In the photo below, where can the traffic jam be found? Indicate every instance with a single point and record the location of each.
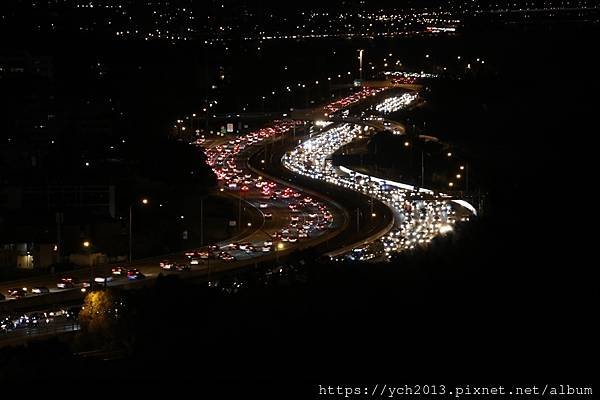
(420, 214)
(290, 216)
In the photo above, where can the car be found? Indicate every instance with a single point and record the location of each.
(17, 293)
(263, 205)
(37, 318)
(134, 274)
(66, 283)
(295, 218)
(268, 215)
(268, 243)
(266, 249)
(86, 284)
(293, 239)
(120, 270)
(204, 255)
(166, 265)
(182, 267)
(103, 279)
(40, 290)
(226, 256)
(73, 313)
(6, 324)
(244, 245)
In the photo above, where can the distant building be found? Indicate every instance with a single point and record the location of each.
(27, 255)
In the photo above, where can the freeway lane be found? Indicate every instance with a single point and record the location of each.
(420, 214)
(298, 219)
(357, 230)
(312, 220)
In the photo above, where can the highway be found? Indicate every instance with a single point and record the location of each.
(279, 219)
(290, 198)
(419, 214)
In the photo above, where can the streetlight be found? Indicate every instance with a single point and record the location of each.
(86, 245)
(360, 66)
(279, 247)
(144, 202)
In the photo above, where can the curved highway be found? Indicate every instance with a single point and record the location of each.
(419, 214)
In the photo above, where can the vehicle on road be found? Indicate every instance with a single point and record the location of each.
(179, 267)
(66, 283)
(103, 279)
(134, 274)
(17, 293)
(120, 271)
(40, 290)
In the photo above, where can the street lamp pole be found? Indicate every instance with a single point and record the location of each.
(360, 65)
(144, 201)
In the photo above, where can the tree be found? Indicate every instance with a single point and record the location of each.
(99, 316)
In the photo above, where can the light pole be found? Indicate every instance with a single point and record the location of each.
(279, 247)
(144, 202)
(86, 245)
(360, 64)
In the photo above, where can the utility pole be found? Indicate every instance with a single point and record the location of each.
(357, 220)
